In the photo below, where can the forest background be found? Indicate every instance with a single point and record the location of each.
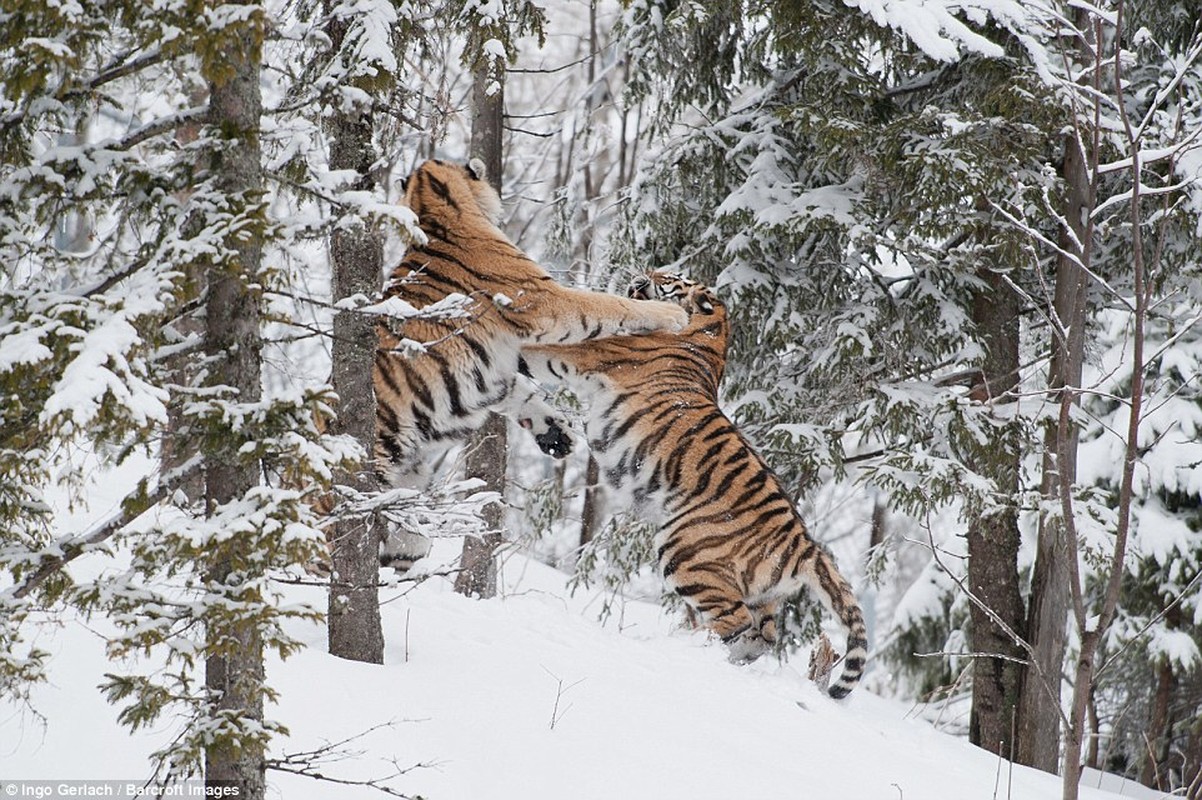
(960, 243)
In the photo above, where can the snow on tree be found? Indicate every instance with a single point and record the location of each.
(880, 189)
(145, 130)
(861, 183)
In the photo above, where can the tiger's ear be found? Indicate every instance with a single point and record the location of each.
(476, 169)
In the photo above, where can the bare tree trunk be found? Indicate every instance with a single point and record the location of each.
(590, 514)
(358, 254)
(625, 123)
(591, 187)
(1192, 758)
(878, 532)
(993, 539)
(1039, 703)
(488, 449)
(234, 670)
(1158, 727)
(1092, 755)
(486, 459)
(1094, 622)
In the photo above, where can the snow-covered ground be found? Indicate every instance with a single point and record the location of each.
(530, 696)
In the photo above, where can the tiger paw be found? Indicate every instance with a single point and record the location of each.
(555, 442)
(552, 437)
(659, 316)
(747, 648)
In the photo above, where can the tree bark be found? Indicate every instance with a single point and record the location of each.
(354, 629)
(487, 450)
(486, 460)
(234, 671)
(590, 514)
(1092, 752)
(993, 540)
(1039, 703)
(1101, 615)
(1192, 759)
(178, 444)
(1158, 727)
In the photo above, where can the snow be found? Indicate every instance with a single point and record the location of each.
(453, 305)
(529, 696)
(1176, 646)
(1123, 787)
(1160, 534)
(80, 392)
(924, 599)
(932, 26)
(494, 48)
(22, 347)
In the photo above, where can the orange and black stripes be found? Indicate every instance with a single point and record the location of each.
(731, 542)
(465, 366)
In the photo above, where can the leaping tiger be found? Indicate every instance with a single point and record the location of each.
(468, 364)
(730, 541)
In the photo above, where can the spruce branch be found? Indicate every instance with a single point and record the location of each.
(188, 116)
(120, 68)
(72, 547)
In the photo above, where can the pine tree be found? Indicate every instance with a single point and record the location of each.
(845, 204)
(488, 52)
(97, 337)
(234, 671)
(876, 202)
(357, 255)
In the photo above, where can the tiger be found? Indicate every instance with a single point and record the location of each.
(729, 540)
(465, 364)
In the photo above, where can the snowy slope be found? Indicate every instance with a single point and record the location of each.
(642, 709)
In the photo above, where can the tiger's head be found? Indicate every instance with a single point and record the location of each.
(693, 297)
(441, 190)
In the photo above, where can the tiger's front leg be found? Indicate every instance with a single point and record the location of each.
(550, 428)
(573, 315)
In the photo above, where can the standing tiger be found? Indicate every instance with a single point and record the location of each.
(730, 542)
(467, 364)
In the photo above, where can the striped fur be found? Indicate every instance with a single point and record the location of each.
(730, 540)
(469, 363)
(429, 399)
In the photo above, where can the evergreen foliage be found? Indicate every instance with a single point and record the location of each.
(854, 177)
(115, 206)
(845, 177)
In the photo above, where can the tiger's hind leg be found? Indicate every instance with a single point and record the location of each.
(760, 637)
(401, 548)
(725, 614)
(765, 618)
(747, 647)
